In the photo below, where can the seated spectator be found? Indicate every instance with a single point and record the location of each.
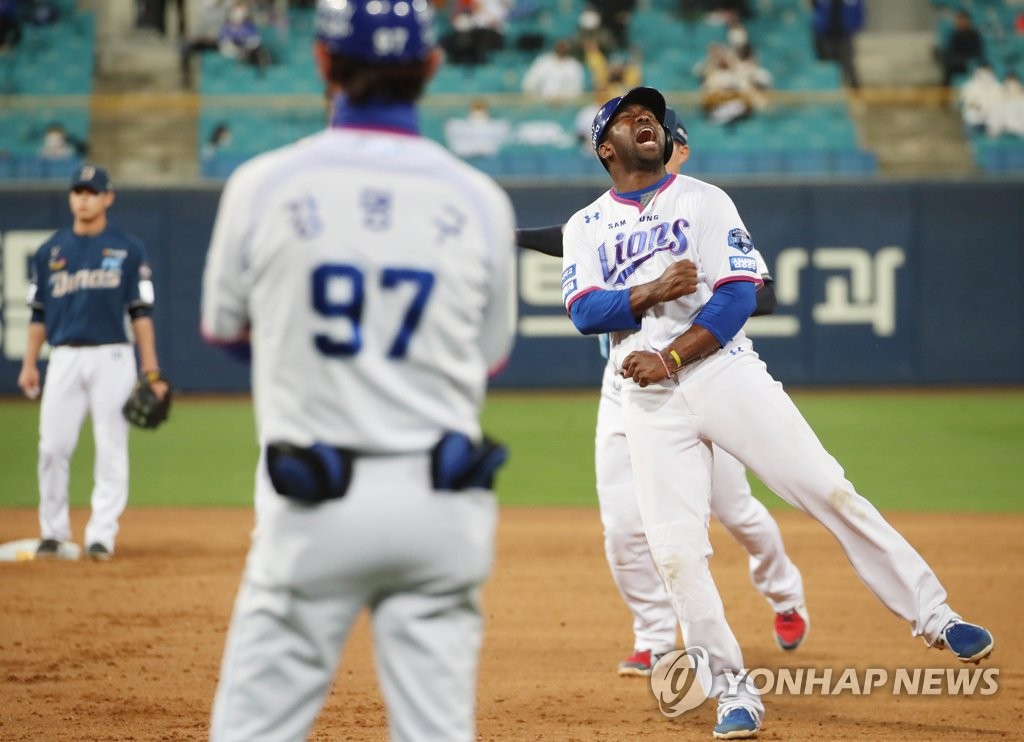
(733, 89)
(555, 75)
(1007, 115)
(615, 75)
(477, 135)
(963, 48)
(210, 18)
(10, 25)
(757, 79)
(615, 15)
(240, 38)
(978, 96)
(55, 144)
(220, 139)
(478, 28)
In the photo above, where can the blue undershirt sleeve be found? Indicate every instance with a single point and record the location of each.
(603, 311)
(728, 309)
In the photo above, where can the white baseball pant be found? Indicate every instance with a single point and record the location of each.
(95, 380)
(629, 557)
(415, 558)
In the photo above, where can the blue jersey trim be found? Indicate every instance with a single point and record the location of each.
(635, 195)
(727, 310)
(602, 311)
(396, 117)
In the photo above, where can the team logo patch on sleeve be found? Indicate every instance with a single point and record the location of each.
(740, 240)
(737, 263)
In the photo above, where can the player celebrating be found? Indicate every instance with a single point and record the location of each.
(732, 503)
(84, 279)
(692, 377)
(376, 271)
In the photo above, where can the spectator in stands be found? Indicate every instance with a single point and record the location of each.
(979, 95)
(240, 38)
(614, 75)
(835, 23)
(734, 88)
(555, 75)
(55, 144)
(478, 28)
(10, 25)
(220, 139)
(478, 134)
(615, 15)
(1007, 115)
(209, 19)
(716, 53)
(964, 48)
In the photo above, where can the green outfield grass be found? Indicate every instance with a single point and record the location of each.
(920, 450)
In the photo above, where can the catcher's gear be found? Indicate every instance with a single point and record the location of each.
(144, 409)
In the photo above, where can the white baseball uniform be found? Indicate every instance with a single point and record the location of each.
(376, 272)
(728, 399)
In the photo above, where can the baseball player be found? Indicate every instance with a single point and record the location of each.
(374, 272)
(692, 378)
(732, 503)
(84, 280)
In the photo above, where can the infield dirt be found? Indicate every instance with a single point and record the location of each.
(130, 649)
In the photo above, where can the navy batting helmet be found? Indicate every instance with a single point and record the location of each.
(647, 97)
(383, 31)
(675, 126)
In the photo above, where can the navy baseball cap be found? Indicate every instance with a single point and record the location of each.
(675, 126)
(382, 31)
(648, 97)
(92, 177)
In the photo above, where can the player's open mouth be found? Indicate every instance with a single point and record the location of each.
(646, 135)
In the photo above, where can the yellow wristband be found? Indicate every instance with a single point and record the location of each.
(676, 358)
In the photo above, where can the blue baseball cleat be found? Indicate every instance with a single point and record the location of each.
(739, 723)
(970, 643)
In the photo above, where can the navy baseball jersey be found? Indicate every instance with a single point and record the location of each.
(82, 287)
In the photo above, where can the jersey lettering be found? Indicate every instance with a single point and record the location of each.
(629, 253)
(67, 283)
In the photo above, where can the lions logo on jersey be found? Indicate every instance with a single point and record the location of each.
(740, 240)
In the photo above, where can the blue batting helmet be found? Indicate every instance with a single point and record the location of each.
(383, 31)
(647, 97)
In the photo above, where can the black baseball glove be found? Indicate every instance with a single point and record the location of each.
(144, 409)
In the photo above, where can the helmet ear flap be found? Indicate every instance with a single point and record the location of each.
(670, 145)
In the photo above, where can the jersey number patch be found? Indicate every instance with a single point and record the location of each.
(352, 308)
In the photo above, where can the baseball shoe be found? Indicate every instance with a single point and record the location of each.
(791, 627)
(970, 643)
(639, 664)
(738, 723)
(49, 548)
(99, 553)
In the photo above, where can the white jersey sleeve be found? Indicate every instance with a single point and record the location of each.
(726, 250)
(376, 271)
